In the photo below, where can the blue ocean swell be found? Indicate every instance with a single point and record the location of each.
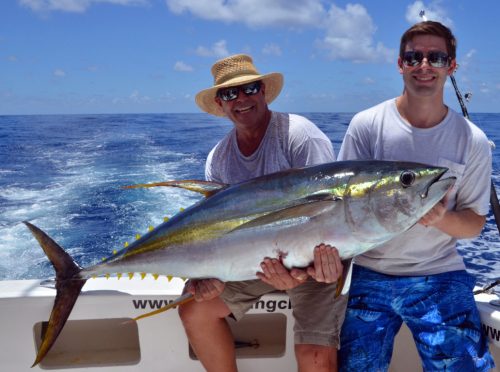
(65, 173)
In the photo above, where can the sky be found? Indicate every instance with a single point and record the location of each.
(153, 56)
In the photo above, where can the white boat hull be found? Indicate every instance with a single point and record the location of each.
(100, 335)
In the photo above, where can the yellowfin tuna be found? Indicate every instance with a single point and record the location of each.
(353, 206)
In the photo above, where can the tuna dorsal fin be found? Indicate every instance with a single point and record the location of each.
(308, 209)
(207, 188)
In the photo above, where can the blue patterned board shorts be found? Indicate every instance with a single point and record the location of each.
(439, 310)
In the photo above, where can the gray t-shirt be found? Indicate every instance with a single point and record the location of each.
(291, 141)
(381, 133)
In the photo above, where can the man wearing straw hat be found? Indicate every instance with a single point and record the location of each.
(262, 142)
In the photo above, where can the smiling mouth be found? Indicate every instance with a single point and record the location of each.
(424, 78)
(243, 110)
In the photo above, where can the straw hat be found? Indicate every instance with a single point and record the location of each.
(232, 71)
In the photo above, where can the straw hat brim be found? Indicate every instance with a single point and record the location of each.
(206, 98)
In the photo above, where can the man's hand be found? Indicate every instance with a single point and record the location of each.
(277, 276)
(204, 289)
(327, 265)
(327, 269)
(436, 214)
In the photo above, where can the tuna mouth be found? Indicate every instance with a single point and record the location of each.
(437, 182)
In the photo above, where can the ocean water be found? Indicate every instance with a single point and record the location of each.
(64, 173)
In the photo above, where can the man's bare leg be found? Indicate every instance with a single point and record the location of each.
(209, 334)
(316, 358)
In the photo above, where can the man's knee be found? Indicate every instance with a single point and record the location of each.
(192, 313)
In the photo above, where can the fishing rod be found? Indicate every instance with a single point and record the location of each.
(495, 205)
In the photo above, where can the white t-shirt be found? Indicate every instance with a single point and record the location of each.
(381, 133)
(291, 141)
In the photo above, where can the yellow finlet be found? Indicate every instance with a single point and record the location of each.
(130, 275)
(186, 297)
(94, 276)
(119, 276)
(115, 251)
(156, 276)
(165, 219)
(107, 276)
(169, 278)
(151, 228)
(125, 245)
(137, 236)
(184, 279)
(103, 259)
(143, 275)
(182, 209)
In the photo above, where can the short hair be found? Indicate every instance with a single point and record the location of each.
(430, 28)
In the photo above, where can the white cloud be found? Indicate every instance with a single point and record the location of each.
(349, 32)
(272, 49)
(218, 50)
(59, 73)
(433, 12)
(182, 67)
(465, 61)
(368, 81)
(73, 6)
(12, 58)
(349, 36)
(254, 13)
(484, 88)
(137, 97)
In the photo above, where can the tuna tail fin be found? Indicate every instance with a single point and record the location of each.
(68, 286)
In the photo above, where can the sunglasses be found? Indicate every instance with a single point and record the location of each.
(231, 93)
(434, 58)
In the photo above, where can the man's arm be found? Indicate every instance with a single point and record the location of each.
(458, 224)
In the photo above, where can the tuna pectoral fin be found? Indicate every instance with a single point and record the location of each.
(68, 286)
(292, 215)
(186, 297)
(207, 188)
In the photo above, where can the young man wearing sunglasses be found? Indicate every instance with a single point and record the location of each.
(419, 278)
(263, 142)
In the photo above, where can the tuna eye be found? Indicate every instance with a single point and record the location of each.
(407, 178)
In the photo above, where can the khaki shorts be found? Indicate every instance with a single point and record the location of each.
(318, 314)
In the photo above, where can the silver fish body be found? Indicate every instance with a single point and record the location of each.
(353, 206)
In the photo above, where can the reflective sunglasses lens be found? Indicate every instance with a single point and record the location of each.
(413, 59)
(251, 89)
(228, 94)
(438, 59)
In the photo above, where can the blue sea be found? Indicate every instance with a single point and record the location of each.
(64, 173)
